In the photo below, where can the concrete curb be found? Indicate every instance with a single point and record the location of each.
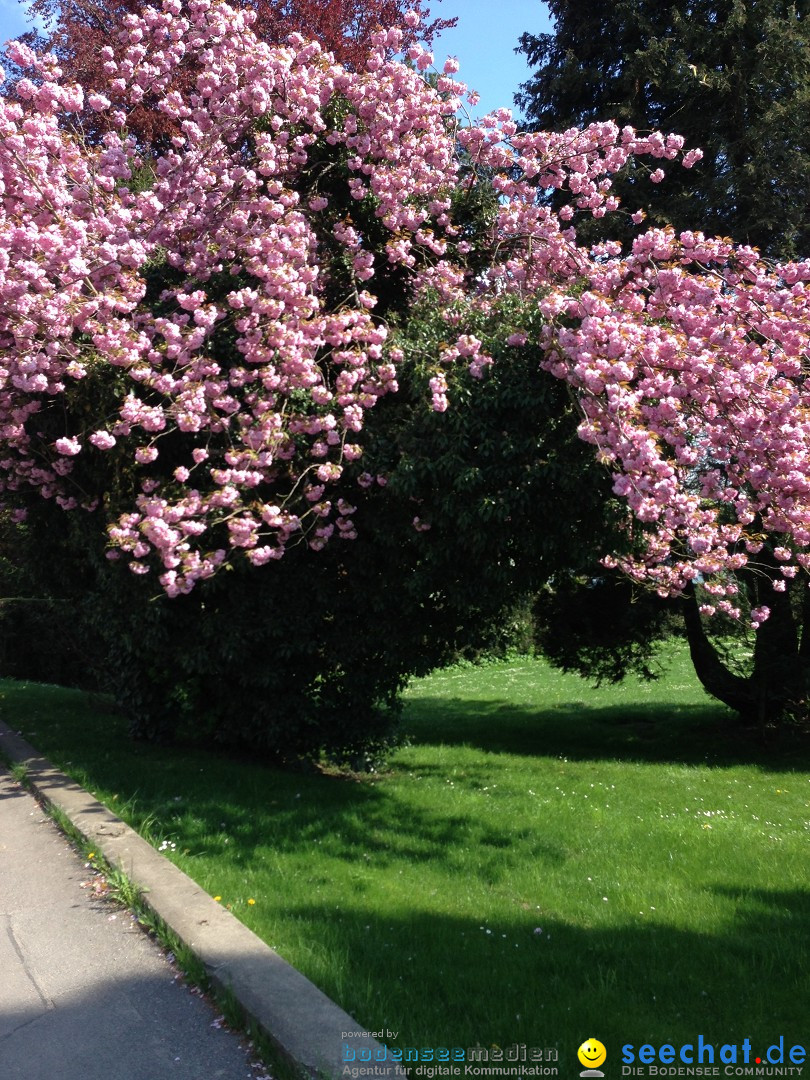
(305, 1027)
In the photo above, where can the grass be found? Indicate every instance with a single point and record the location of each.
(543, 862)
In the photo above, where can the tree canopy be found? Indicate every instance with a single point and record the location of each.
(732, 76)
(78, 30)
(228, 350)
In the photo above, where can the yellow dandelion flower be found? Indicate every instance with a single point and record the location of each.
(217, 898)
(251, 901)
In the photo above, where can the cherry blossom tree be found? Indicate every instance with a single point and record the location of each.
(225, 307)
(79, 29)
(211, 327)
(205, 291)
(343, 27)
(688, 358)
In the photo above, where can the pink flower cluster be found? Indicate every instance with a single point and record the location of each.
(266, 380)
(688, 357)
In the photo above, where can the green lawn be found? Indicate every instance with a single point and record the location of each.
(543, 862)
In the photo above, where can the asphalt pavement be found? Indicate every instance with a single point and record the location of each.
(85, 993)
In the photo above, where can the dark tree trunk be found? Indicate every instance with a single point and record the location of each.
(776, 676)
(716, 679)
(777, 685)
(804, 644)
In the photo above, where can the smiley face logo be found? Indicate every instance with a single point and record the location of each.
(592, 1054)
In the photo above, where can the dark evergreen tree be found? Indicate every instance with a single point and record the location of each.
(732, 76)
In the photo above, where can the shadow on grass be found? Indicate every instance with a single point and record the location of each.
(235, 809)
(663, 734)
(247, 817)
(504, 983)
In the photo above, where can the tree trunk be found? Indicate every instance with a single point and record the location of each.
(776, 675)
(716, 679)
(777, 684)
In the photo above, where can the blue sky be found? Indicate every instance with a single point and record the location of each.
(13, 19)
(484, 42)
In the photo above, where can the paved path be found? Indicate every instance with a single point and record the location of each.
(84, 993)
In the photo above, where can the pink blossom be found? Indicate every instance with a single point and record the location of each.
(68, 447)
(102, 440)
(759, 615)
